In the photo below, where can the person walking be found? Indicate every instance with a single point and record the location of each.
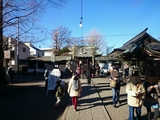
(151, 99)
(135, 92)
(10, 73)
(88, 76)
(102, 72)
(116, 92)
(58, 93)
(126, 70)
(78, 71)
(74, 90)
(46, 74)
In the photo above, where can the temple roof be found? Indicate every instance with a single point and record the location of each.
(142, 45)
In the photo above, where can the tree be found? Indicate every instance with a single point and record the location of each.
(74, 41)
(108, 50)
(60, 37)
(95, 39)
(22, 14)
(63, 50)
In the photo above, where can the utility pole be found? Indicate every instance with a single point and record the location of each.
(2, 70)
(18, 46)
(1, 33)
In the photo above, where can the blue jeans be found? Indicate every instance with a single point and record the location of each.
(115, 95)
(131, 113)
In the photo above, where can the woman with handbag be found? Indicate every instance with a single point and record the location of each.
(115, 84)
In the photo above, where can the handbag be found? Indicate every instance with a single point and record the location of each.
(113, 83)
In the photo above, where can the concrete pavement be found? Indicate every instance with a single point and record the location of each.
(90, 106)
(95, 103)
(26, 99)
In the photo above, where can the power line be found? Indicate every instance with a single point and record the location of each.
(117, 35)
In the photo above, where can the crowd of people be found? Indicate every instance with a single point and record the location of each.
(138, 93)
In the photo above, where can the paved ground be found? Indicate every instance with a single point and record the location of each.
(26, 99)
(90, 106)
(121, 112)
(96, 103)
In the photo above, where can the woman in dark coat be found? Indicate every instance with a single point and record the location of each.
(151, 99)
(88, 76)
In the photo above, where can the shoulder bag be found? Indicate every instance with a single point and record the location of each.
(113, 83)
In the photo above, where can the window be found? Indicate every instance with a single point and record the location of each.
(24, 49)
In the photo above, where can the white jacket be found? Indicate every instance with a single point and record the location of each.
(72, 92)
(132, 98)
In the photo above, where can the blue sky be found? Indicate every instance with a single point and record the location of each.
(117, 20)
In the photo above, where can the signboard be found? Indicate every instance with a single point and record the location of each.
(54, 75)
(51, 82)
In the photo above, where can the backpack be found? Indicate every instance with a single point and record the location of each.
(75, 85)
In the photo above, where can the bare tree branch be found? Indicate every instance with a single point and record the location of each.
(60, 37)
(94, 38)
(27, 12)
(24, 15)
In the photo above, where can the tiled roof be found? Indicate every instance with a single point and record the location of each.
(48, 58)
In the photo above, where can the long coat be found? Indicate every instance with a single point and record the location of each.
(88, 74)
(72, 92)
(132, 98)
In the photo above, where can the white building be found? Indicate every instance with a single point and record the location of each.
(34, 51)
(47, 51)
(14, 52)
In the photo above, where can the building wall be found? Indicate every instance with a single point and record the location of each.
(24, 51)
(34, 51)
(47, 51)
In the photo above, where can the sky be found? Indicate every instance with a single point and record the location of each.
(117, 20)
